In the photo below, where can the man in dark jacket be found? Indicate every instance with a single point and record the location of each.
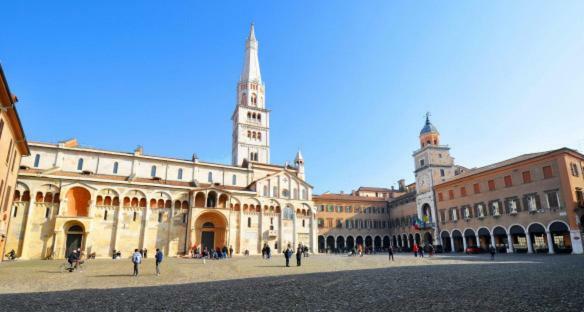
(299, 252)
(287, 254)
(158, 258)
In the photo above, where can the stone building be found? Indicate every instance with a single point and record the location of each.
(530, 203)
(346, 221)
(70, 196)
(13, 146)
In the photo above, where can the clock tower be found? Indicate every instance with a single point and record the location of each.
(433, 164)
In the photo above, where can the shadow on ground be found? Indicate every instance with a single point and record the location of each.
(496, 286)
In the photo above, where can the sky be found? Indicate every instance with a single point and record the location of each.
(348, 82)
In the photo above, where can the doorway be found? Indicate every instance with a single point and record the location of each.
(208, 240)
(74, 239)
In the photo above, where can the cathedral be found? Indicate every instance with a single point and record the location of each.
(69, 196)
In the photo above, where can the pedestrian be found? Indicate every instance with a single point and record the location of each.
(264, 251)
(136, 259)
(268, 252)
(224, 252)
(492, 250)
(299, 252)
(158, 258)
(230, 251)
(421, 252)
(390, 250)
(416, 248)
(287, 254)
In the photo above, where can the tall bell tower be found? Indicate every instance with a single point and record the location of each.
(251, 119)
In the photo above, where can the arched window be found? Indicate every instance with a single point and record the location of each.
(259, 135)
(80, 164)
(105, 215)
(253, 115)
(116, 167)
(180, 173)
(259, 116)
(254, 99)
(243, 99)
(37, 160)
(285, 193)
(234, 180)
(153, 171)
(248, 115)
(210, 177)
(253, 134)
(249, 134)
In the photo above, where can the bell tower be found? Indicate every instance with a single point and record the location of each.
(251, 119)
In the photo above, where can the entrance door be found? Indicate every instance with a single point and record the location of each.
(73, 242)
(208, 240)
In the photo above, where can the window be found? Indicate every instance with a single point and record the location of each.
(320, 223)
(421, 163)
(285, 193)
(180, 174)
(348, 209)
(248, 222)
(574, 169)
(547, 172)
(553, 199)
(531, 202)
(303, 223)
(463, 191)
(266, 190)
(105, 215)
(440, 197)
(47, 212)
(15, 211)
(116, 167)
(160, 217)
(339, 208)
(330, 208)
(1, 127)
(348, 224)
(508, 181)
(9, 151)
(184, 218)
(80, 164)
(442, 216)
(477, 188)
(234, 180)
(526, 176)
(37, 160)
(153, 171)
(339, 223)
(441, 172)
(451, 194)
(134, 217)
(491, 185)
(275, 191)
(512, 206)
(210, 177)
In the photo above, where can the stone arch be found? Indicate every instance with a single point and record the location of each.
(214, 236)
(446, 243)
(350, 242)
(377, 242)
(560, 236)
(538, 237)
(458, 240)
(518, 238)
(386, 241)
(200, 200)
(484, 238)
(78, 200)
(470, 237)
(330, 243)
(222, 202)
(368, 241)
(340, 243)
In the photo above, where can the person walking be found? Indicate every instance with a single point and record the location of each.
(230, 251)
(268, 252)
(136, 259)
(158, 258)
(299, 252)
(416, 248)
(492, 250)
(390, 251)
(287, 254)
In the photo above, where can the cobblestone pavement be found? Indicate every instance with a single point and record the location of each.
(322, 283)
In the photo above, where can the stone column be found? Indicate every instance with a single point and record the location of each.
(529, 245)
(27, 225)
(116, 226)
(452, 244)
(169, 234)
(146, 216)
(550, 243)
(509, 243)
(464, 243)
(240, 229)
(492, 240)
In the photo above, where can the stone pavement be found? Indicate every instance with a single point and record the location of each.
(323, 283)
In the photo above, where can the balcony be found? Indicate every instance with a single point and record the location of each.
(427, 225)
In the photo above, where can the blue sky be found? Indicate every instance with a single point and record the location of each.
(347, 82)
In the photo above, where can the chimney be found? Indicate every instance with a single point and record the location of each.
(139, 151)
(70, 143)
(402, 185)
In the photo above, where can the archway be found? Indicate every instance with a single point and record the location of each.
(368, 241)
(75, 235)
(484, 239)
(469, 237)
(321, 243)
(330, 243)
(500, 236)
(399, 241)
(211, 228)
(386, 242)
(417, 239)
(446, 243)
(78, 199)
(212, 199)
(341, 243)
(411, 241)
(377, 243)
(458, 241)
(200, 200)
(223, 198)
(350, 242)
(560, 234)
(360, 241)
(519, 239)
(428, 238)
(538, 238)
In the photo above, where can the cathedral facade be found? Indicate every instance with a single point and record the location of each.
(68, 196)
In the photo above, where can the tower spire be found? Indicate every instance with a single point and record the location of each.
(251, 64)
